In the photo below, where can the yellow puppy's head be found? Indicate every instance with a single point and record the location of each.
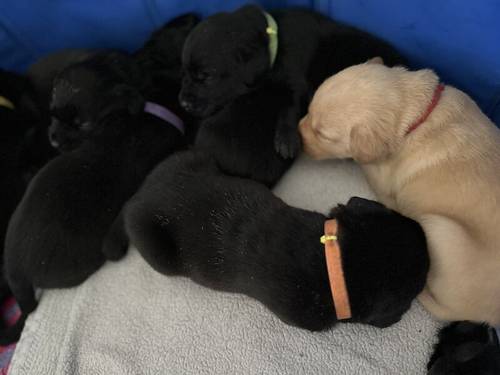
(360, 112)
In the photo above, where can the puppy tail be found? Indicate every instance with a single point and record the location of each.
(25, 296)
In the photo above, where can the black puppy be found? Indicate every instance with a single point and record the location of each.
(43, 71)
(240, 135)
(466, 348)
(23, 147)
(160, 57)
(234, 235)
(229, 55)
(111, 137)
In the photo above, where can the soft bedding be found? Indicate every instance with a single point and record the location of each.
(128, 319)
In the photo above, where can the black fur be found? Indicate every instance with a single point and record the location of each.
(25, 127)
(160, 57)
(23, 149)
(466, 348)
(63, 229)
(87, 92)
(234, 235)
(226, 57)
(240, 135)
(43, 71)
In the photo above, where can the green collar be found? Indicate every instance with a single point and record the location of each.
(272, 31)
(4, 102)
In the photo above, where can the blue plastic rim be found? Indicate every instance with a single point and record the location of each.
(457, 38)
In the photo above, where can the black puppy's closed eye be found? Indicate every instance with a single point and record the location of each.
(203, 77)
(66, 117)
(200, 77)
(65, 114)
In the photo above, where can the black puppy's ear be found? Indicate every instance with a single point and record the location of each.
(365, 205)
(249, 9)
(184, 22)
(467, 351)
(130, 97)
(348, 214)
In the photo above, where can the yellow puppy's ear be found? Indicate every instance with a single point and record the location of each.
(376, 60)
(368, 144)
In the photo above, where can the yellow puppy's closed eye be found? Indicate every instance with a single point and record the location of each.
(329, 138)
(317, 128)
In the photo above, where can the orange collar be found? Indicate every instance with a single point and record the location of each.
(435, 99)
(335, 271)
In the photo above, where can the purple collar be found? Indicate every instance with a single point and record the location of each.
(165, 114)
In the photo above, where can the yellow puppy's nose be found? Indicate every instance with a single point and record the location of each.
(303, 120)
(303, 123)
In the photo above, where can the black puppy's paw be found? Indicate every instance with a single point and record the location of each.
(114, 250)
(115, 244)
(287, 142)
(466, 349)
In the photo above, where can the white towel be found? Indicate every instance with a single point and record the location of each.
(128, 319)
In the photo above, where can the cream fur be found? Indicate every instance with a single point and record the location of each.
(445, 174)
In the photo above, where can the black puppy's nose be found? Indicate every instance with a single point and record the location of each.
(54, 142)
(187, 105)
(52, 134)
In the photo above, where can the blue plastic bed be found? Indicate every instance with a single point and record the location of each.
(457, 38)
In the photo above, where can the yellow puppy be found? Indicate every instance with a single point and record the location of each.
(428, 151)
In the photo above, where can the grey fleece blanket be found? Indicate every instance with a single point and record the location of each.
(128, 319)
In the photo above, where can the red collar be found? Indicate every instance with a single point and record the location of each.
(435, 99)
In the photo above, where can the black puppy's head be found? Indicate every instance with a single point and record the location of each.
(161, 54)
(223, 58)
(385, 260)
(85, 93)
